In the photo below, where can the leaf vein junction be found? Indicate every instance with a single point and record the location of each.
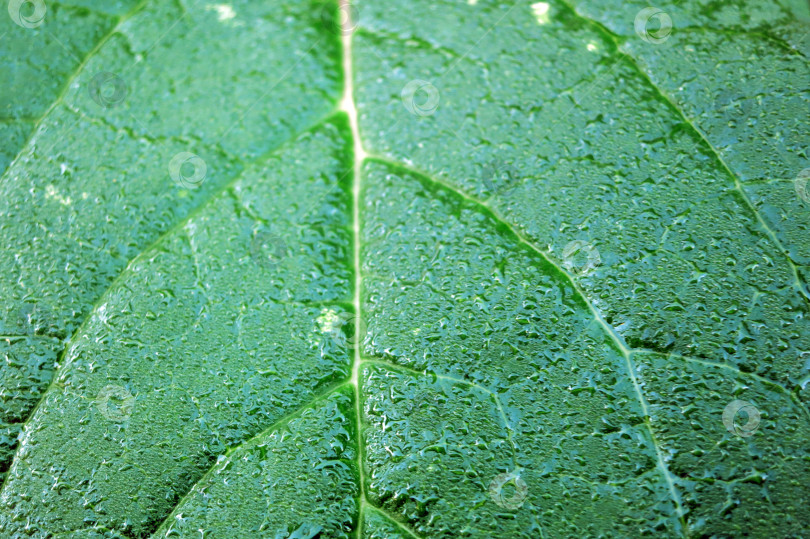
(610, 331)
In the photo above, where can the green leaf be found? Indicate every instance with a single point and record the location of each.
(435, 270)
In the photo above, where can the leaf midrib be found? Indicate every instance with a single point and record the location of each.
(348, 106)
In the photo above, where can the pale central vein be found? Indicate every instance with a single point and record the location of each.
(359, 154)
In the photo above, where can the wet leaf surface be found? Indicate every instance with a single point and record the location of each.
(444, 269)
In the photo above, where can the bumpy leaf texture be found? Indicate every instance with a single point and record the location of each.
(433, 268)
